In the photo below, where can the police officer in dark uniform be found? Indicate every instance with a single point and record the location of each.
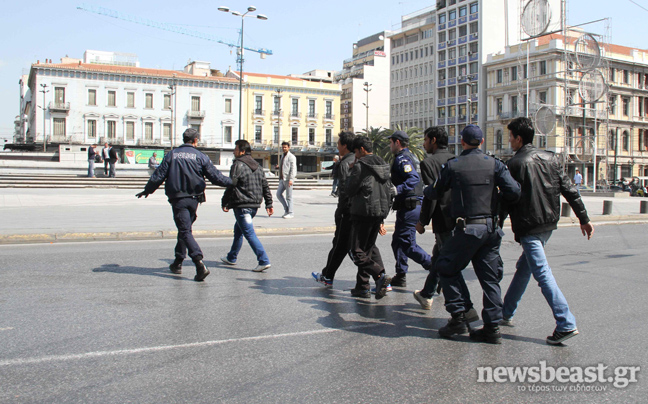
(184, 169)
(474, 179)
(407, 204)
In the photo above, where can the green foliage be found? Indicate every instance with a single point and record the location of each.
(380, 139)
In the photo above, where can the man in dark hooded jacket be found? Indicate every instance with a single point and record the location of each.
(370, 193)
(249, 187)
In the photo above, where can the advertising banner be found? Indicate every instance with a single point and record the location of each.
(142, 156)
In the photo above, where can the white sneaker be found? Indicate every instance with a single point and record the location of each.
(261, 268)
(226, 261)
(288, 216)
(426, 304)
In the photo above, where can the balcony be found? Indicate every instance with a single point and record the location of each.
(258, 113)
(191, 114)
(311, 116)
(59, 106)
(277, 114)
(295, 114)
(329, 117)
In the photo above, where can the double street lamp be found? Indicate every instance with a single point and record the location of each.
(367, 88)
(250, 9)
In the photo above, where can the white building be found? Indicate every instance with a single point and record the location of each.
(82, 102)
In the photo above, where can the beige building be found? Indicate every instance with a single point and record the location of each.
(614, 128)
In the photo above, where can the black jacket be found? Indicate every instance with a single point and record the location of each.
(540, 176)
(91, 153)
(112, 155)
(184, 170)
(249, 185)
(342, 171)
(436, 210)
(369, 188)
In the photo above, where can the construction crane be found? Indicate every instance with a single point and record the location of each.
(167, 27)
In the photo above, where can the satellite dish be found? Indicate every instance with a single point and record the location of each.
(588, 52)
(592, 86)
(545, 120)
(536, 17)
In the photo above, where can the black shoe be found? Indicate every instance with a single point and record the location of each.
(176, 267)
(201, 271)
(456, 325)
(490, 333)
(365, 294)
(559, 336)
(381, 286)
(399, 280)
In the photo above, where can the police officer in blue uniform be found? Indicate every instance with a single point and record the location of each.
(183, 171)
(474, 179)
(407, 204)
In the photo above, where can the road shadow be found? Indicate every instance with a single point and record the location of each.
(119, 269)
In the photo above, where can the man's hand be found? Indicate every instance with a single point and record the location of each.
(225, 209)
(587, 229)
(142, 194)
(420, 228)
(382, 230)
(270, 211)
(290, 183)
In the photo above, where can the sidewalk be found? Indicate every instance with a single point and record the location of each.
(38, 215)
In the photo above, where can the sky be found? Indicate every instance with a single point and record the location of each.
(303, 35)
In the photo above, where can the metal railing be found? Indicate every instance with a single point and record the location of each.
(59, 106)
(195, 114)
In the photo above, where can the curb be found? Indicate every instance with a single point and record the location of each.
(282, 231)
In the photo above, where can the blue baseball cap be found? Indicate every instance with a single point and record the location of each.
(472, 135)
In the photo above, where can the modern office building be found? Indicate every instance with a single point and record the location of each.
(365, 85)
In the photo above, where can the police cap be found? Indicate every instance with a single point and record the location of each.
(472, 135)
(399, 135)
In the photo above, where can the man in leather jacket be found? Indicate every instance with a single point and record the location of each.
(533, 218)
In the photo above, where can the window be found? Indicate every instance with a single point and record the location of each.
(463, 90)
(452, 15)
(167, 101)
(524, 71)
(258, 104)
(542, 97)
(442, 93)
(625, 140)
(514, 104)
(474, 47)
(258, 134)
(276, 134)
(613, 100)
(329, 136)
(130, 100)
(474, 7)
(196, 127)
(92, 129)
(499, 76)
(626, 106)
(645, 140)
(149, 100)
(228, 105)
(442, 18)
(311, 108)
(195, 103)
(59, 95)
(92, 97)
(277, 105)
(474, 27)
(612, 75)
(442, 56)
(295, 107)
(59, 127)
(543, 67)
(452, 109)
(166, 132)
(111, 129)
(626, 77)
(463, 31)
(463, 11)
(452, 35)
(542, 141)
(612, 140)
(498, 106)
(442, 74)
(452, 92)
(514, 73)
(130, 130)
(111, 98)
(148, 131)
(442, 37)
(499, 140)
(441, 112)
(452, 53)
(227, 135)
(311, 136)
(295, 135)
(329, 109)
(474, 67)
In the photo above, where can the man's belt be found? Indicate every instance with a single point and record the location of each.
(478, 220)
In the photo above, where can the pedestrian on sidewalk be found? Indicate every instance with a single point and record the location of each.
(112, 159)
(92, 155)
(341, 239)
(249, 187)
(533, 219)
(183, 171)
(287, 174)
(578, 180)
(370, 192)
(152, 163)
(105, 155)
(334, 174)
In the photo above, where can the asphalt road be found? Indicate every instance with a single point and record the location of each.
(106, 322)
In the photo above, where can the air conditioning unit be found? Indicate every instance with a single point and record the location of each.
(470, 77)
(469, 53)
(460, 78)
(462, 116)
(448, 43)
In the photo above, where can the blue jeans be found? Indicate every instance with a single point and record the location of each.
(91, 163)
(534, 262)
(286, 202)
(245, 228)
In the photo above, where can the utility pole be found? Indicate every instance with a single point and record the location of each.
(278, 111)
(44, 90)
(367, 89)
(173, 89)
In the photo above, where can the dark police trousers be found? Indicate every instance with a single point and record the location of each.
(432, 280)
(404, 240)
(184, 215)
(364, 252)
(341, 243)
(479, 243)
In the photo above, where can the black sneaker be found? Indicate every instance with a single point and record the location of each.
(456, 325)
(399, 280)
(559, 336)
(201, 271)
(381, 286)
(176, 266)
(365, 294)
(490, 333)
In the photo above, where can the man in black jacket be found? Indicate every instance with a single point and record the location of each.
(249, 187)
(533, 219)
(341, 239)
(184, 170)
(438, 211)
(370, 193)
(112, 160)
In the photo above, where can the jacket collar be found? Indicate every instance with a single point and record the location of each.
(525, 148)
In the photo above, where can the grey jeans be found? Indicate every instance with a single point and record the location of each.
(287, 201)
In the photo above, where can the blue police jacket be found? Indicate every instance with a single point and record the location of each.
(405, 176)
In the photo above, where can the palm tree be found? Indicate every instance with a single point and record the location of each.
(379, 140)
(416, 138)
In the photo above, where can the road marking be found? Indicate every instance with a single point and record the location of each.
(99, 354)
(6, 328)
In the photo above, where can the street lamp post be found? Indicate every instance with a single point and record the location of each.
(367, 89)
(250, 9)
(278, 111)
(173, 88)
(44, 90)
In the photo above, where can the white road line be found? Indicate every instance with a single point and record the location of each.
(99, 354)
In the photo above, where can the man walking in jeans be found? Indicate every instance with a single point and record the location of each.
(249, 187)
(287, 173)
(533, 219)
